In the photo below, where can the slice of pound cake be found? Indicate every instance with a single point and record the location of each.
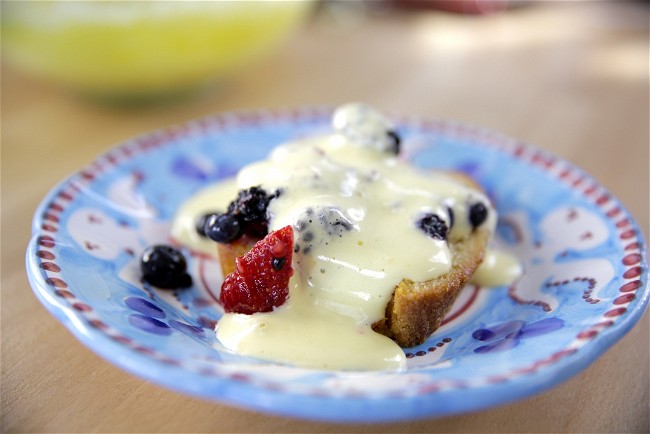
(361, 247)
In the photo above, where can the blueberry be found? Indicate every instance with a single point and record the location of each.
(165, 267)
(250, 205)
(477, 214)
(250, 209)
(334, 221)
(433, 226)
(395, 142)
(201, 221)
(223, 228)
(256, 229)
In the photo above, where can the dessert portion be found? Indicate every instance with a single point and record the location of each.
(336, 252)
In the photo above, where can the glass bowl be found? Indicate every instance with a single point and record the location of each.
(124, 50)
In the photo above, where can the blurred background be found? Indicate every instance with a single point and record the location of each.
(79, 77)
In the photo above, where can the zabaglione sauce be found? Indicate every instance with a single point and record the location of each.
(362, 223)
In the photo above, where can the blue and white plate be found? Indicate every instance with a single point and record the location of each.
(584, 287)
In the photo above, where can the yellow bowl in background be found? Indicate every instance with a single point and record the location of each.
(141, 49)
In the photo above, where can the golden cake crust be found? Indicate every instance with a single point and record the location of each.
(227, 253)
(417, 309)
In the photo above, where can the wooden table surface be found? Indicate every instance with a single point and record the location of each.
(568, 77)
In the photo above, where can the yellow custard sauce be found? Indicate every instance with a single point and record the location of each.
(354, 207)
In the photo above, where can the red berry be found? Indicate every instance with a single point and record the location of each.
(261, 280)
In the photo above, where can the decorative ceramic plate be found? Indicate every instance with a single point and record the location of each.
(584, 287)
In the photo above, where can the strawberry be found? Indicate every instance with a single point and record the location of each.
(260, 281)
